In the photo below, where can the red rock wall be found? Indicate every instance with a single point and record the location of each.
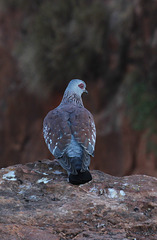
(119, 149)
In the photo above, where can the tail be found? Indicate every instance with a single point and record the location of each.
(80, 178)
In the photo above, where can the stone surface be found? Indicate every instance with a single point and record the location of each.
(37, 202)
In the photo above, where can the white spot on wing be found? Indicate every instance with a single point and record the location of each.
(49, 146)
(47, 134)
(93, 138)
(59, 137)
(54, 148)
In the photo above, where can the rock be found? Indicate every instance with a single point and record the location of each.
(115, 139)
(37, 202)
(129, 151)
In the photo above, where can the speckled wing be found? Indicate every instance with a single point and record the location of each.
(83, 129)
(57, 132)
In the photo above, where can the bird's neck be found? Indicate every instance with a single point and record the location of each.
(72, 98)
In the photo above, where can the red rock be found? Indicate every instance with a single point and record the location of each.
(37, 202)
(119, 149)
(115, 144)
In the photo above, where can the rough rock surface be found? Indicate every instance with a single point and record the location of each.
(37, 202)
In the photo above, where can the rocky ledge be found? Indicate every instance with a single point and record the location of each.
(37, 202)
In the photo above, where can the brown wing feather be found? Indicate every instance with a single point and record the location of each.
(57, 132)
(60, 123)
(83, 129)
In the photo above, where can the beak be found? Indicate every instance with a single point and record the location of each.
(86, 91)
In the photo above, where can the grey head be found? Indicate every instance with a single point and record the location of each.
(76, 86)
(73, 92)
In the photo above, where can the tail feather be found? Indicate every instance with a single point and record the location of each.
(67, 164)
(85, 161)
(80, 178)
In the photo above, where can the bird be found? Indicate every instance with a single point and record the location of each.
(70, 133)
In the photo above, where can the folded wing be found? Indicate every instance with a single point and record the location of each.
(83, 129)
(57, 133)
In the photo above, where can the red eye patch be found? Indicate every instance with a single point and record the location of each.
(81, 85)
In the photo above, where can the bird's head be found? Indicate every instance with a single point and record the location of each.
(77, 87)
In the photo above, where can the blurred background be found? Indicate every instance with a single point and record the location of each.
(112, 46)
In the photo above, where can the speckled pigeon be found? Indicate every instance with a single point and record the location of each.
(70, 134)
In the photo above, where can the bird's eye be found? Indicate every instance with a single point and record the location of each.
(81, 85)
